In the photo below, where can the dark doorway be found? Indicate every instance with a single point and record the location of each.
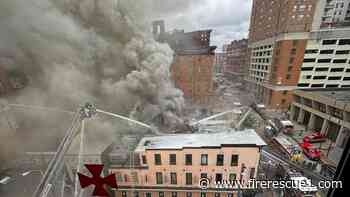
(218, 177)
(306, 118)
(318, 123)
(333, 131)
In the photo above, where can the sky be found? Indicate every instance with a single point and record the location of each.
(229, 19)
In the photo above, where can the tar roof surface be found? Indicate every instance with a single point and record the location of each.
(180, 141)
(343, 96)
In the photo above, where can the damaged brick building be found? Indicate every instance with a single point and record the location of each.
(192, 68)
(235, 64)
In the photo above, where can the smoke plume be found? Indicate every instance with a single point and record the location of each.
(73, 51)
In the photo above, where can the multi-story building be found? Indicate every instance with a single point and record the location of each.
(326, 61)
(173, 165)
(277, 39)
(334, 13)
(192, 68)
(236, 57)
(326, 111)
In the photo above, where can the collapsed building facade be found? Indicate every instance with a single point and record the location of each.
(192, 67)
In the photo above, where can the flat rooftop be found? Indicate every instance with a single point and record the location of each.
(245, 138)
(338, 94)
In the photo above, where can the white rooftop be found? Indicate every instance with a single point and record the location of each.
(179, 141)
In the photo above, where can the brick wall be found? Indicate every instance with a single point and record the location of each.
(193, 74)
(269, 18)
(287, 60)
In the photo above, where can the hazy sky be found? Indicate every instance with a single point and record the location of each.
(229, 19)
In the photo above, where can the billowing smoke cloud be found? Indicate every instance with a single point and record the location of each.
(75, 51)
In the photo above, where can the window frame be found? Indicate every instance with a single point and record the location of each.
(188, 159)
(172, 159)
(157, 159)
(206, 159)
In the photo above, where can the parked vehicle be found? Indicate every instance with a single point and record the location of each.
(285, 126)
(310, 151)
(315, 137)
(303, 186)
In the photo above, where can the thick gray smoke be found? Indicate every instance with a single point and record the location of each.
(75, 51)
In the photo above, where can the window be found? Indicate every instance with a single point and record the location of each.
(339, 61)
(348, 70)
(290, 68)
(342, 52)
(126, 178)
(124, 194)
(157, 159)
(320, 77)
(307, 60)
(203, 194)
(334, 78)
(317, 85)
(148, 194)
(161, 194)
(173, 194)
(285, 92)
(326, 51)
(311, 51)
(337, 69)
(288, 76)
(188, 159)
(144, 160)
(329, 42)
(345, 86)
(218, 177)
(346, 79)
(293, 51)
(321, 69)
(172, 159)
(332, 86)
(324, 60)
(204, 175)
(234, 160)
(220, 160)
(159, 178)
(232, 177)
(188, 194)
(188, 178)
(252, 173)
(204, 159)
(173, 178)
(344, 42)
(307, 68)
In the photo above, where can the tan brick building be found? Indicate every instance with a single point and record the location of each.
(193, 64)
(172, 165)
(236, 58)
(277, 39)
